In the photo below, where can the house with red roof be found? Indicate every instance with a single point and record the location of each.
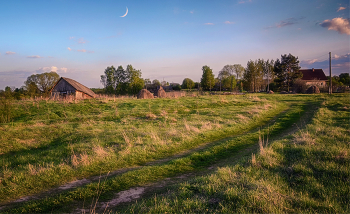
(314, 77)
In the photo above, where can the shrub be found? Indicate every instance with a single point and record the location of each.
(5, 110)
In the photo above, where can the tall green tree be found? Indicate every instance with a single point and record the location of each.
(344, 78)
(238, 69)
(267, 69)
(44, 81)
(207, 80)
(155, 83)
(253, 75)
(135, 82)
(108, 79)
(226, 77)
(287, 71)
(121, 80)
(187, 83)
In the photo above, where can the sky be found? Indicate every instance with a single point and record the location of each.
(168, 39)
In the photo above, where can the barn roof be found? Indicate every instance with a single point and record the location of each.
(313, 74)
(78, 86)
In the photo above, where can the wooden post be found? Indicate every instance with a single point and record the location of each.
(330, 73)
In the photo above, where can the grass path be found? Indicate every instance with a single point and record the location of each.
(195, 161)
(163, 186)
(306, 172)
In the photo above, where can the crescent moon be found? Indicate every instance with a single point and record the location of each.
(126, 12)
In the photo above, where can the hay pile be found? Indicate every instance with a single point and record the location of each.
(144, 94)
(161, 93)
(270, 92)
(313, 90)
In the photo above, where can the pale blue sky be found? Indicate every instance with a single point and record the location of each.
(168, 40)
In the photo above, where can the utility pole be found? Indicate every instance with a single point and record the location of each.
(330, 73)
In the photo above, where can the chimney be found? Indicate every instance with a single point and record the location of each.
(313, 70)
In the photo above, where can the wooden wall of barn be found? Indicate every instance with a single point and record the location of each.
(63, 86)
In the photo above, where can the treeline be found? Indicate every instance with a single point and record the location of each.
(120, 81)
(35, 85)
(263, 75)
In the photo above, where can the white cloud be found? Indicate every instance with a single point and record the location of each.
(229, 23)
(63, 70)
(338, 24)
(85, 51)
(53, 69)
(341, 8)
(192, 11)
(310, 61)
(69, 48)
(336, 56)
(47, 69)
(72, 37)
(209, 23)
(244, 1)
(34, 57)
(10, 53)
(82, 41)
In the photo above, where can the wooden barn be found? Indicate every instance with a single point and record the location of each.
(67, 87)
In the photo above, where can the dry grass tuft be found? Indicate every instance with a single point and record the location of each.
(32, 169)
(100, 151)
(223, 99)
(206, 126)
(343, 154)
(164, 113)
(241, 117)
(82, 159)
(304, 138)
(188, 128)
(253, 159)
(151, 116)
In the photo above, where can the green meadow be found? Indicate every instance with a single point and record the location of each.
(243, 153)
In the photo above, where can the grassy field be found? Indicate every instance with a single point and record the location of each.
(308, 171)
(49, 144)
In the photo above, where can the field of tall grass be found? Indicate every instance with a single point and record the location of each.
(48, 144)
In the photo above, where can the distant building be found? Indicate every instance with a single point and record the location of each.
(314, 77)
(68, 87)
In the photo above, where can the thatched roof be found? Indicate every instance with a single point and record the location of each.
(78, 86)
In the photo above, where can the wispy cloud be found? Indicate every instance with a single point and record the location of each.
(341, 8)
(69, 48)
(35, 57)
(82, 41)
(340, 64)
(338, 24)
(85, 51)
(10, 53)
(72, 37)
(310, 61)
(229, 23)
(209, 23)
(192, 11)
(284, 23)
(244, 1)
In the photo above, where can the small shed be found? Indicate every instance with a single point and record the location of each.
(68, 87)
